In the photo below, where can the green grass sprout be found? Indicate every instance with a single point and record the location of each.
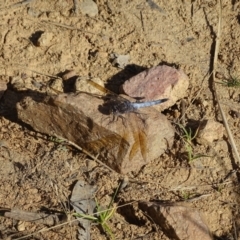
(101, 216)
(185, 195)
(232, 81)
(188, 143)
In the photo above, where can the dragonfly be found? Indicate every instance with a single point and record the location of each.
(119, 105)
(133, 121)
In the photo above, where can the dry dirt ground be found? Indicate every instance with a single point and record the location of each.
(38, 173)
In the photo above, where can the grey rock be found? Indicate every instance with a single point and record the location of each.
(89, 8)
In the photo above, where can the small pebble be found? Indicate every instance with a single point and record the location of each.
(209, 131)
(56, 85)
(120, 61)
(21, 226)
(45, 39)
(89, 8)
(69, 75)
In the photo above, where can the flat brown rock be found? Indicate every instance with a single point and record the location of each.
(177, 222)
(157, 83)
(125, 144)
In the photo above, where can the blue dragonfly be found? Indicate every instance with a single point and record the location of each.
(133, 121)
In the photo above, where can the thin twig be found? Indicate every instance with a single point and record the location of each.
(47, 229)
(235, 229)
(215, 61)
(141, 16)
(19, 4)
(198, 197)
(18, 66)
(70, 221)
(69, 27)
(184, 188)
(87, 153)
(38, 218)
(183, 112)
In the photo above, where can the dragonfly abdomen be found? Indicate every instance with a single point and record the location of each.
(137, 105)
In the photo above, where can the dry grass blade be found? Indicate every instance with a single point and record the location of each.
(214, 87)
(87, 153)
(19, 66)
(68, 27)
(38, 218)
(70, 222)
(18, 4)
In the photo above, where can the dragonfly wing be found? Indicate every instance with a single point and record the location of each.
(134, 149)
(108, 92)
(100, 88)
(122, 148)
(143, 144)
(140, 141)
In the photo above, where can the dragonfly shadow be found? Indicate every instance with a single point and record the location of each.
(129, 71)
(114, 82)
(106, 107)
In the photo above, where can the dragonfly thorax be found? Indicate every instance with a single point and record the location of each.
(121, 107)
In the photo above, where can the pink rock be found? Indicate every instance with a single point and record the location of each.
(177, 222)
(156, 83)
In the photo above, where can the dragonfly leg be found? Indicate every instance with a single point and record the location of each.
(123, 120)
(112, 118)
(107, 119)
(140, 115)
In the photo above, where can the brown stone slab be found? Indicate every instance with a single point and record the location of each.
(124, 145)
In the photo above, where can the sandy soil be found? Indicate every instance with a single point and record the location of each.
(37, 173)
